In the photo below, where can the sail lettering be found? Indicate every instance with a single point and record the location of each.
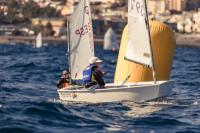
(138, 6)
(87, 10)
(83, 30)
(132, 2)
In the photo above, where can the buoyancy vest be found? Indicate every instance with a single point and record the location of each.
(88, 75)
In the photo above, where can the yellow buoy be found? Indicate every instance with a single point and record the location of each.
(163, 45)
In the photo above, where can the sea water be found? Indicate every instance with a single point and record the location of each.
(29, 100)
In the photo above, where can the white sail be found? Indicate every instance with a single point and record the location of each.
(138, 45)
(110, 40)
(81, 39)
(38, 43)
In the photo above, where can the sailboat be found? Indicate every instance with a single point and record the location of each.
(81, 48)
(38, 43)
(110, 40)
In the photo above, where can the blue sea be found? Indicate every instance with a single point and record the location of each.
(29, 101)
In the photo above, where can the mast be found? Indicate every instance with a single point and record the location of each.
(68, 52)
(153, 64)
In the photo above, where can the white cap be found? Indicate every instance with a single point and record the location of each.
(65, 72)
(93, 60)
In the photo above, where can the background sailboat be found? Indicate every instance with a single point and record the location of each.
(38, 43)
(110, 40)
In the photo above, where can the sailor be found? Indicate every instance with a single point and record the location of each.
(64, 80)
(93, 75)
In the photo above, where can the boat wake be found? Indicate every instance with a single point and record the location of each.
(140, 110)
(195, 103)
(147, 108)
(162, 101)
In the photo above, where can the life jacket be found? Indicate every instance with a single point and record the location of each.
(88, 75)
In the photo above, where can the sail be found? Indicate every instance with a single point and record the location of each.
(110, 40)
(138, 45)
(38, 43)
(81, 47)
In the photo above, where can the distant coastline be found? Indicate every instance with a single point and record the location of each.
(31, 40)
(191, 40)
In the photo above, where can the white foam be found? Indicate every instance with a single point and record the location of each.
(195, 103)
(140, 110)
(114, 128)
(160, 103)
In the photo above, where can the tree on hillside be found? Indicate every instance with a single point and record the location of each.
(48, 30)
(10, 17)
(13, 4)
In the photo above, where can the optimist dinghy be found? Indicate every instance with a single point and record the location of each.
(81, 49)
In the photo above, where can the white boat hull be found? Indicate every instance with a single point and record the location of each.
(137, 92)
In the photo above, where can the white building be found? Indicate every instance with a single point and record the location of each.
(156, 6)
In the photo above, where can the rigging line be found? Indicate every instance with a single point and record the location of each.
(69, 60)
(142, 76)
(127, 77)
(129, 74)
(151, 48)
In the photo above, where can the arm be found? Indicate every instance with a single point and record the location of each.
(59, 83)
(99, 77)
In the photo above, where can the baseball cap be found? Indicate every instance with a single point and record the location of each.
(93, 60)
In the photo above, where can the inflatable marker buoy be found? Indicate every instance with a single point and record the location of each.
(163, 45)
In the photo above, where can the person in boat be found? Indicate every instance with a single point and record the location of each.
(93, 74)
(64, 80)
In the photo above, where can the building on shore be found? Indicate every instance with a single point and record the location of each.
(161, 6)
(7, 30)
(57, 24)
(156, 6)
(187, 22)
(176, 5)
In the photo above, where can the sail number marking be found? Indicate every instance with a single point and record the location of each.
(139, 6)
(70, 95)
(87, 10)
(83, 30)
